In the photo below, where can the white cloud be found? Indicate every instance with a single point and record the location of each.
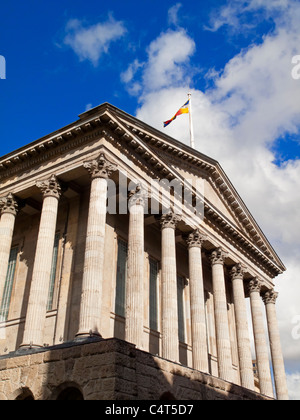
(227, 15)
(91, 42)
(128, 75)
(237, 14)
(173, 14)
(293, 381)
(268, 5)
(88, 107)
(253, 102)
(168, 59)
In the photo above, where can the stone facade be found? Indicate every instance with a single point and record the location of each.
(112, 231)
(109, 370)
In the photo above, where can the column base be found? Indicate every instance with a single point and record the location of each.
(84, 336)
(25, 348)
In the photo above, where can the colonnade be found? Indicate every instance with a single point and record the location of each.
(91, 296)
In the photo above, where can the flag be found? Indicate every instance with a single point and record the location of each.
(183, 110)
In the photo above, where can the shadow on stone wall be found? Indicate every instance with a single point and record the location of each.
(107, 370)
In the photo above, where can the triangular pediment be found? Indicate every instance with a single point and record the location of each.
(222, 202)
(165, 158)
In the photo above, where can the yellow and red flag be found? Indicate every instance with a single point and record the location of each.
(183, 110)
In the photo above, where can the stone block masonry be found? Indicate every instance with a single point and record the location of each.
(110, 369)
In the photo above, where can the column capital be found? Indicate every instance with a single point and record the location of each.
(100, 167)
(254, 286)
(196, 239)
(9, 204)
(50, 187)
(169, 220)
(237, 272)
(218, 256)
(270, 297)
(137, 197)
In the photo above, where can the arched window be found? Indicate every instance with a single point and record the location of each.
(167, 396)
(70, 394)
(24, 395)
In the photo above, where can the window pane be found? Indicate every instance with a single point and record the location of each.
(153, 276)
(8, 284)
(180, 304)
(53, 273)
(121, 278)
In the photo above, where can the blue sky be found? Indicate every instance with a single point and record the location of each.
(46, 78)
(235, 56)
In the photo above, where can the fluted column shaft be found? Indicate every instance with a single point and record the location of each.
(170, 340)
(37, 305)
(91, 294)
(9, 209)
(243, 339)
(221, 317)
(198, 318)
(134, 308)
(276, 351)
(261, 347)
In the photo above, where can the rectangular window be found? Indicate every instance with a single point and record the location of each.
(9, 281)
(180, 304)
(53, 273)
(121, 277)
(153, 304)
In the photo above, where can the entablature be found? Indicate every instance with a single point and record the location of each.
(144, 146)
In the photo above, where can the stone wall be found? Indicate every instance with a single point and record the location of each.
(107, 370)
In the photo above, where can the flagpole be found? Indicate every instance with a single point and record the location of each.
(191, 122)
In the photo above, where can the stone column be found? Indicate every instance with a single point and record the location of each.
(198, 318)
(9, 209)
(37, 305)
(269, 299)
(243, 339)
(91, 296)
(221, 316)
(170, 341)
(261, 347)
(134, 308)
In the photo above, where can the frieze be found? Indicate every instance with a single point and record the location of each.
(33, 157)
(128, 151)
(240, 242)
(141, 157)
(208, 172)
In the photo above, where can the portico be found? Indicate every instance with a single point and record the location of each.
(159, 265)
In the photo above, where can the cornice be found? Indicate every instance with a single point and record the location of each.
(144, 144)
(140, 150)
(215, 176)
(220, 182)
(40, 152)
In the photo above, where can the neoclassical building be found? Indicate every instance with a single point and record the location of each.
(127, 263)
